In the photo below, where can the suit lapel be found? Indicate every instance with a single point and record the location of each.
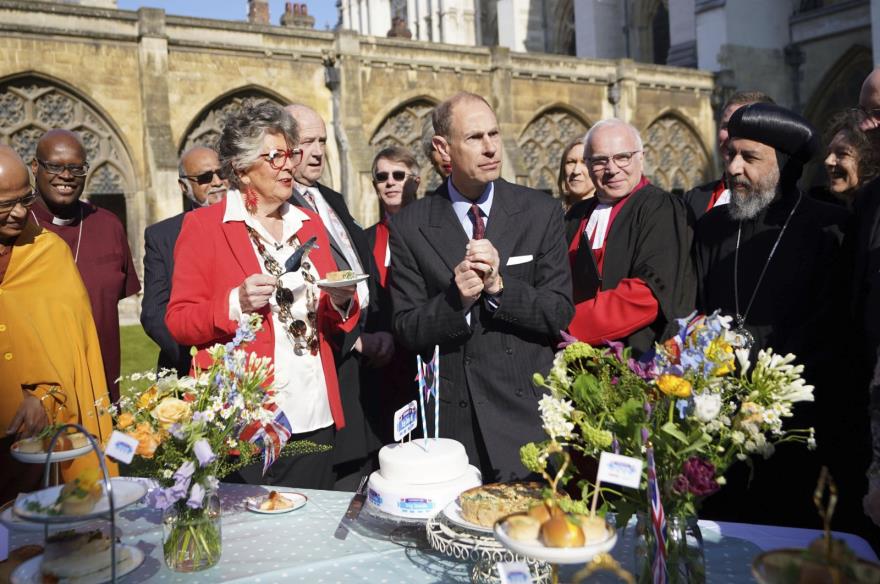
(443, 232)
(506, 211)
(323, 261)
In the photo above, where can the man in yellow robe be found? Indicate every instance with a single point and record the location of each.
(50, 358)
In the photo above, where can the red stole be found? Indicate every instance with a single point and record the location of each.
(380, 249)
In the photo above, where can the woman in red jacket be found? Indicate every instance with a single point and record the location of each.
(237, 258)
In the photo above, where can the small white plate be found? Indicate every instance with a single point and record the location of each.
(452, 512)
(13, 523)
(342, 283)
(29, 571)
(125, 493)
(40, 457)
(538, 551)
(298, 500)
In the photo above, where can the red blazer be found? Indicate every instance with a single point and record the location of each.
(211, 258)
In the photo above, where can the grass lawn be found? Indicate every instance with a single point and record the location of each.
(139, 352)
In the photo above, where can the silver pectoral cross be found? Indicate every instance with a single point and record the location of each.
(743, 339)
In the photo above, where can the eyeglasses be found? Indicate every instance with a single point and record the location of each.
(25, 201)
(621, 160)
(204, 178)
(873, 113)
(398, 175)
(77, 170)
(278, 158)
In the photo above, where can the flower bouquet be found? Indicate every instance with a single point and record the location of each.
(191, 431)
(693, 407)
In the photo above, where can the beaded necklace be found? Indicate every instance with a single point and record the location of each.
(303, 335)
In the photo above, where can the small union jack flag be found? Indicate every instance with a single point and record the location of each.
(658, 521)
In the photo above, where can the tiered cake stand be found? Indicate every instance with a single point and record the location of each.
(20, 510)
(480, 548)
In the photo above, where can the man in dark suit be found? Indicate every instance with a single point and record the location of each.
(201, 184)
(479, 269)
(357, 443)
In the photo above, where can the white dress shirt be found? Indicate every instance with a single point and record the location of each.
(462, 207)
(301, 389)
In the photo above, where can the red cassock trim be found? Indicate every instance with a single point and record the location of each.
(716, 194)
(212, 258)
(616, 313)
(379, 251)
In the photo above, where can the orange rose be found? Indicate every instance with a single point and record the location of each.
(146, 399)
(148, 440)
(124, 420)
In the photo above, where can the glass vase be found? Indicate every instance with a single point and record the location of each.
(685, 561)
(191, 538)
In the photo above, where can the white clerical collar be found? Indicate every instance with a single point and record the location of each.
(597, 226)
(62, 220)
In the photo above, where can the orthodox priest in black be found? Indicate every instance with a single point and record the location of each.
(772, 259)
(629, 248)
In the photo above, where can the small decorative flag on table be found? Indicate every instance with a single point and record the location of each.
(429, 386)
(272, 435)
(658, 520)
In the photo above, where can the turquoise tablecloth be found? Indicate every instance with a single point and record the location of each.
(299, 547)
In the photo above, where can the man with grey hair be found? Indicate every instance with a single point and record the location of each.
(629, 247)
(200, 182)
(357, 443)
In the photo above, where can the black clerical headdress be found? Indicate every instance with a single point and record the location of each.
(796, 141)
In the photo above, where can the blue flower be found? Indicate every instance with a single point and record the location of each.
(196, 496)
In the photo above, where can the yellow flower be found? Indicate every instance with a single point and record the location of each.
(674, 385)
(719, 351)
(124, 420)
(172, 411)
(148, 440)
(146, 399)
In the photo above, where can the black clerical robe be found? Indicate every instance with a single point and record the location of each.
(799, 308)
(646, 251)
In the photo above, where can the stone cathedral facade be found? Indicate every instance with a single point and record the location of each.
(141, 87)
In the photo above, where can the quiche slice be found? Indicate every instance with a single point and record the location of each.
(487, 504)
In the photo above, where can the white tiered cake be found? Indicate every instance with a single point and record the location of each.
(418, 480)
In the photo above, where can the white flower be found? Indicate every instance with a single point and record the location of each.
(721, 481)
(742, 356)
(737, 437)
(555, 415)
(167, 473)
(707, 406)
(135, 377)
(187, 383)
(811, 441)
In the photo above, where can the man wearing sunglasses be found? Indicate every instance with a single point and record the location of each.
(357, 443)
(396, 177)
(201, 184)
(96, 237)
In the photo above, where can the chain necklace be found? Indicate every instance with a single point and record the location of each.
(78, 236)
(744, 338)
(304, 336)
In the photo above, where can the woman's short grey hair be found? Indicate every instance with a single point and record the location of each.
(241, 142)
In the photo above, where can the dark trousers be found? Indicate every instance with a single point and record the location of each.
(17, 477)
(306, 471)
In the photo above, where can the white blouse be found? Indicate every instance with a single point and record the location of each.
(300, 386)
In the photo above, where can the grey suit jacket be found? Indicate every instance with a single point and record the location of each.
(488, 401)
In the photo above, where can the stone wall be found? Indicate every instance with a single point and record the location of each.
(155, 80)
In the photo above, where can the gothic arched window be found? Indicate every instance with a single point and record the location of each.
(406, 127)
(32, 105)
(675, 159)
(542, 142)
